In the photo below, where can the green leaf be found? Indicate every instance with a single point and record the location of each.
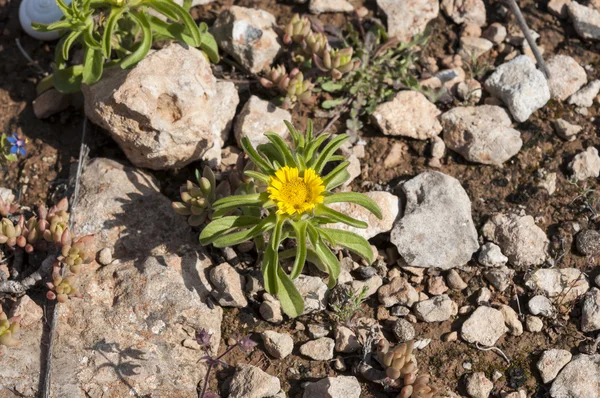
(167, 30)
(68, 80)
(325, 255)
(111, 22)
(66, 10)
(332, 178)
(257, 176)
(59, 25)
(332, 103)
(68, 42)
(209, 45)
(143, 46)
(331, 86)
(283, 148)
(300, 230)
(291, 300)
(271, 259)
(321, 210)
(312, 148)
(223, 225)
(258, 160)
(164, 9)
(242, 236)
(354, 197)
(175, 12)
(351, 241)
(93, 65)
(328, 151)
(89, 40)
(270, 151)
(226, 204)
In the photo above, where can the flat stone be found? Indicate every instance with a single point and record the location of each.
(247, 34)
(585, 96)
(270, 309)
(251, 382)
(586, 20)
(323, 6)
(566, 130)
(551, 362)
(478, 386)
(496, 33)
(586, 164)
(490, 255)
(313, 291)
(403, 330)
(588, 242)
(565, 284)
(334, 387)
(389, 205)
(437, 229)
(485, 326)
(566, 76)
(511, 320)
(258, 117)
(455, 281)
(167, 111)
(590, 311)
(409, 114)
(345, 340)
(580, 378)
(481, 134)
(520, 85)
(279, 345)
(523, 242)
(319, 350)
(406, 19)
(465, 11)
(436, 285)
(559, 8)
(436, 309)
(228, 284)
(534, 324)
(541, 305)
(397, 291)
(474, 47)
(499, 277)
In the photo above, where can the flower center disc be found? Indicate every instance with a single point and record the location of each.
(294, 194)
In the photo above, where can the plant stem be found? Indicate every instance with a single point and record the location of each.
(210, 366)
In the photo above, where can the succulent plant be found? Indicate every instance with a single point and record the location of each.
(401, 367)
(197, 199)
(56, 222)
(61, 288)
(9, 232)
(9, 328)
(76, 252)
(7, 206)
(337, 62)
(297, 29)
(292, 85)
(315, 43)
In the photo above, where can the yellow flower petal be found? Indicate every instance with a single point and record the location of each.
(294, 194)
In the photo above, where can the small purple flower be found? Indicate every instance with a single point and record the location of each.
(17, 145)
(246, 344)
(203, 338)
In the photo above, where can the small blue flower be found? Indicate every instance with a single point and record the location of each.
(17, 145)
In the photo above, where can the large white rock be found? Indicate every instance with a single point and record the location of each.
(585, 96)
(258, 117)
(436, 229)
(409, 114)
(481, 134)
(566, 76)
(387, 202)
(520, 85)
(524, 243)
(478, 386)
(436, 309)
(465, 11)
(586, 164)
(322, 6)
(551, 362)
(247, 34)
(586, 20)
(408, 18)
(167, 111)
(590, 311)
(580, 378)
(564, 284)
(252, 382)
(485, 326)
(334, 387)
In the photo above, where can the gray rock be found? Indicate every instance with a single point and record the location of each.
(247, 34)
(51, 102)
(485, 326)
(313, 291)
(403, 330)
(585, 96)
(566, 130)
(345, 340)
(481, 134)
(484, 296)
(523, 242)
(105, 256)
(585, 164)
(228, 284)
(372, 285)
(559, 8)
(566, 284)
(590, 311)
(436, 309)
(437, 229)
(586, 20)
(478, 386)
(279, 345)
(397, 291)
(258, 117)
(541, 305)
(436, 285)
(580, 378)
(534, 324)
(566, 76)
(455, 281)
(334, 387)
(317, 331)
(588, 242)
(495, 33)
(270, 309)
(409, 114)
(319, 350)
(465, 11)
(323, 6)
(474, 47)
(251, 382)
(406, 19)
(500, 277)
(29, 311)
(520, 85)
(490, 255)
(551, 362)
(511, 320)
(167, 111)
(389, 205)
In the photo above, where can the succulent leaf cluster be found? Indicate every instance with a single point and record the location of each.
(117, 33)
(292, 85)
(401, 366)
(9, 328)
(305, 161)
(62, 288)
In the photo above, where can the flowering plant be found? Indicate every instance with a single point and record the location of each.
(11, 146)
(294, 206)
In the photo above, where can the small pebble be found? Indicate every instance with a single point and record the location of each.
(105, 256)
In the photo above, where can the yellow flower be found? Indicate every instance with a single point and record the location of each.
(294, 194)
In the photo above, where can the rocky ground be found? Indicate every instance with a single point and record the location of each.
(487, 251)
